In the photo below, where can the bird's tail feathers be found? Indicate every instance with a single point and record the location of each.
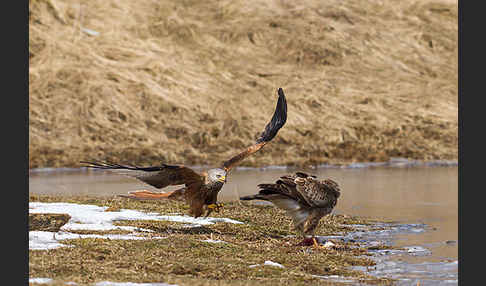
(293, 209)
(252, 197)
(114, 166)
(147, 195)
(125, 170)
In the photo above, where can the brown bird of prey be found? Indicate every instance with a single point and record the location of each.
(304, 198)
(200, 190)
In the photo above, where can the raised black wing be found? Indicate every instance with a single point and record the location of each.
(271, 129)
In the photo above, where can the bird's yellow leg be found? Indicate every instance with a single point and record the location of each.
(316, 244)
(216, 207)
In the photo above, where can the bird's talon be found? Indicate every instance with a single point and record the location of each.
(311, 242)
(219, 206)
(216, 207)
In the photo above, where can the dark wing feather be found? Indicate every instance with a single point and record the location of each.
(278, 120)
(284, 195)
(157, 176)
(285, 186)
(319, 193)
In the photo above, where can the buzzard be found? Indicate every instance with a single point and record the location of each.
(305, 199)
(200, 190)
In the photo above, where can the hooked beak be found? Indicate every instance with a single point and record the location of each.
(222, 179)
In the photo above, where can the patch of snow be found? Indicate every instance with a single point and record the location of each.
(268, 263)
(335, 278)
(109, 283)
(198, 221)
(92, 217)
(190, 225)
(40, 280)
(214, 241)
(95, 226)
(96, 218)
(271, 263)
(42, 240)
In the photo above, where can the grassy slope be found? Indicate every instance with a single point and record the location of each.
(195, 81)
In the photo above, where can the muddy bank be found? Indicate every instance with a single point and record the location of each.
(195, 82)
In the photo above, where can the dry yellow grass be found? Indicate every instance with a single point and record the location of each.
(195, 81)
(183, 259)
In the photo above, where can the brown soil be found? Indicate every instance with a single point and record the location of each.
(194, 82)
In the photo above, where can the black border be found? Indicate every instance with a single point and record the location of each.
(15, 140)
(471, 149)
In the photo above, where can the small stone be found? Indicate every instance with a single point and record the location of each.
(328, 244)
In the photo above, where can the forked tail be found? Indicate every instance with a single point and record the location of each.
(147, 195)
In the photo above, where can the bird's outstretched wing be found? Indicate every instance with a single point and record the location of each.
(158, 176)
(278, 120)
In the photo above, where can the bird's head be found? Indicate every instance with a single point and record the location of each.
(217, 175)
